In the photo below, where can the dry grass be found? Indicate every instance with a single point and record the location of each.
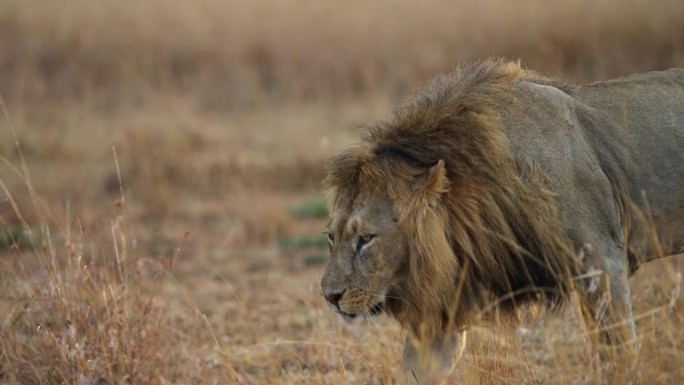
(241, 53)
(174, 269)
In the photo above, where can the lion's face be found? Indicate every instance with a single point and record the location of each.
(368, 255)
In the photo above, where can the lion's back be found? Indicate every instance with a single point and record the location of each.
(652, 100)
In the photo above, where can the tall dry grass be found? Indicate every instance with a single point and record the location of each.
(164, 266)
(241, 53)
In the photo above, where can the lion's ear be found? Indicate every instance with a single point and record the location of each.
(434, 180)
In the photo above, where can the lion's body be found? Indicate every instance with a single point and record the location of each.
(646, 136)
(503, 187)
(616, 153)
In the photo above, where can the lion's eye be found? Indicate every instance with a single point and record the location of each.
(331, 239)
(363, 240)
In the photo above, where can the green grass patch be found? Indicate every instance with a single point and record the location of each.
(303, 242)
(14, 237)
(315, 260)
(311, 209)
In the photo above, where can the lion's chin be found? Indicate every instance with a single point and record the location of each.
(356, 318)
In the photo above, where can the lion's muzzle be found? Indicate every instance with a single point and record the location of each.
(350, 304)
(334, 298)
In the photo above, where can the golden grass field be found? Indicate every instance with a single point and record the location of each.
(160, 173)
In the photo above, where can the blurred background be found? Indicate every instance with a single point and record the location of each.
(161, 168)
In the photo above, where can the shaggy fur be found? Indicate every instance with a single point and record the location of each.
(485, 233)
(493, 188)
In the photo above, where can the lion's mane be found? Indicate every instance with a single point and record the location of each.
(486, 235)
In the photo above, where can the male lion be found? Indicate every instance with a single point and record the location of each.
(494, 187)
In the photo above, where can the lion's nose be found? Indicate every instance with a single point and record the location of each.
(334, 298)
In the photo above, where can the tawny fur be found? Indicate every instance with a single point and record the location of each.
(487, 229)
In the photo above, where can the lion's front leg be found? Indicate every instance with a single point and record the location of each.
(608, 315)
(431, 362)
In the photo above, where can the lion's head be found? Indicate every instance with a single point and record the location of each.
(431, 216)
(370, 241)
(368, 251)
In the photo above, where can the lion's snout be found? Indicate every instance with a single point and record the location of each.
(351, 302)
(334, 297)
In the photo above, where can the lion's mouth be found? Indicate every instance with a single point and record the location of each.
(373, 311)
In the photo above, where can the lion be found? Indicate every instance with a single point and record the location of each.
(493, 189)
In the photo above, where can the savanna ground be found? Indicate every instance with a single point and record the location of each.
(160, 203)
